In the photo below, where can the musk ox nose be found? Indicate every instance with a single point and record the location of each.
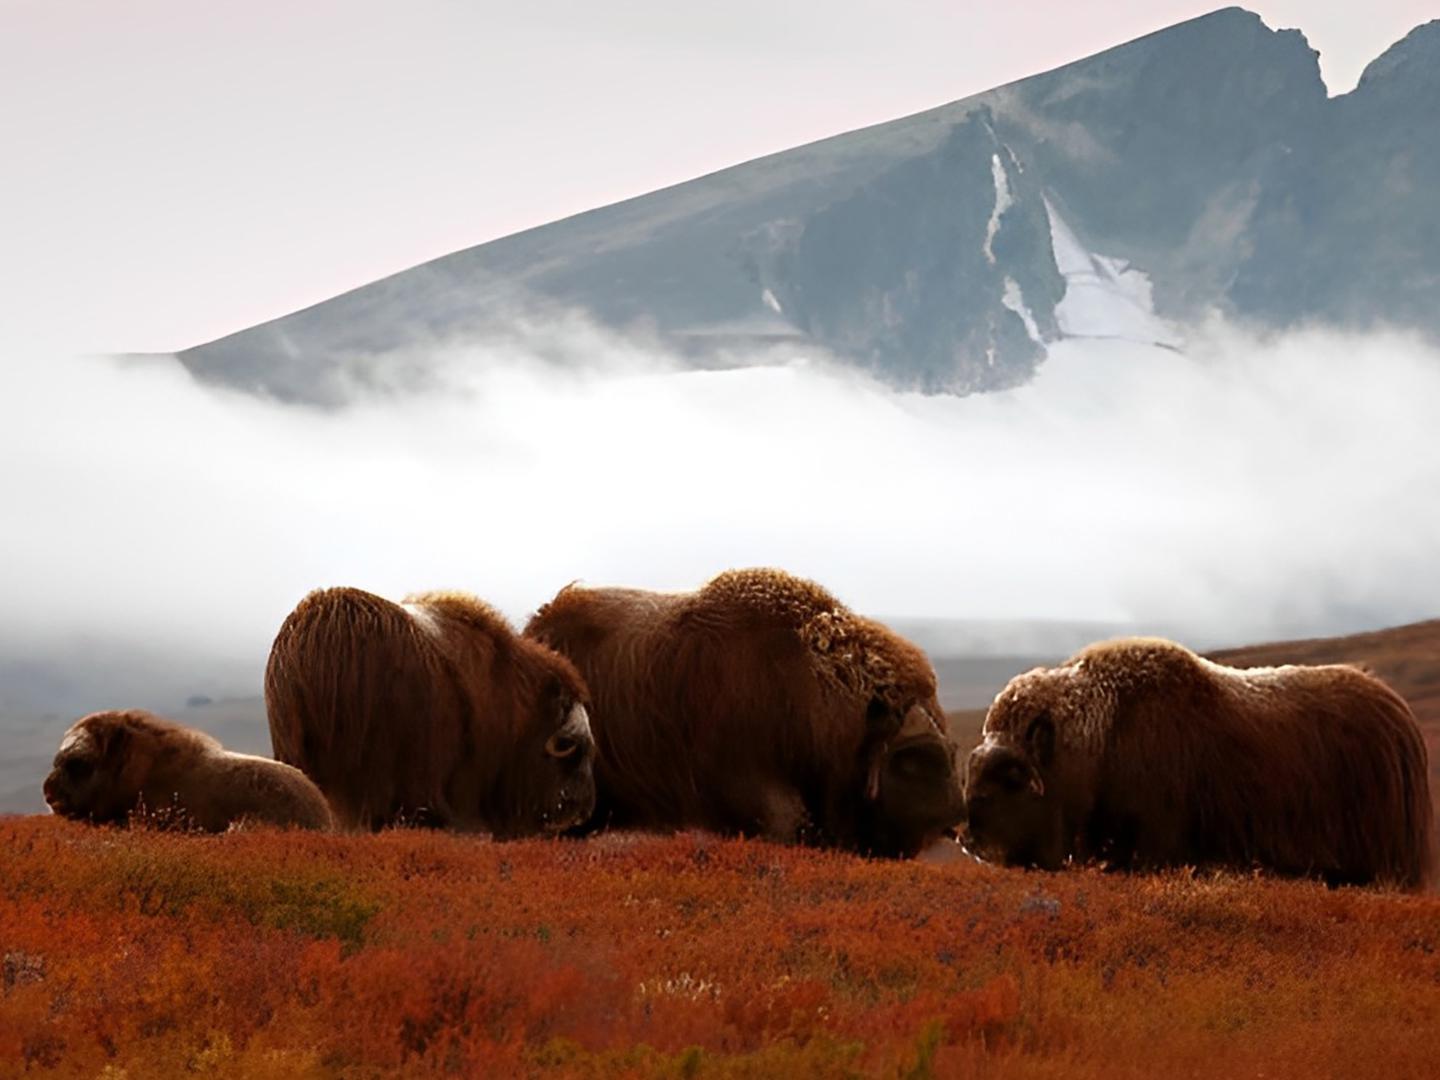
(977, 811)
(959, 810)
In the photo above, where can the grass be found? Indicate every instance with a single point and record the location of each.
(141, 954)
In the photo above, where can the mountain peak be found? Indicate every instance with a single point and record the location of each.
(1412, 64)
(1224, 25)
(1234, 15)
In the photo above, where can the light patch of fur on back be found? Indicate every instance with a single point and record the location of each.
(849, 652)
(1257, 679)
(236, 756)
(1079, 703)
(424, 618)
(76, 741)
(1082, 695)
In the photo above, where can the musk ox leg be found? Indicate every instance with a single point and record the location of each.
(1337, 879)
(420, 817)
(603, 818)
(783, 815)
(1113, 838)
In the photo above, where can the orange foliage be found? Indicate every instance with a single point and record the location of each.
(257, 954)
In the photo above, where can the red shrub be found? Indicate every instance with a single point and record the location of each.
(422, 954)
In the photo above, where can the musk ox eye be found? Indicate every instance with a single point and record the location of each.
(920, 762)
(1012, 778)
(78, 769)
(561, 745)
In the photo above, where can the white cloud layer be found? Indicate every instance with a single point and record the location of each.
(1245, 490)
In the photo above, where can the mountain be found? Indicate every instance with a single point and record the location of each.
(1347, 227)
(1201, 167)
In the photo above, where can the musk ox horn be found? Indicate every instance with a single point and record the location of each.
(573, 736)
(872, 779)
(918, 721)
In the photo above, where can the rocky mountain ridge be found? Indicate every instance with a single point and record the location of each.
(1196, 169)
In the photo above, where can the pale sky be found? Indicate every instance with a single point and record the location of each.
(177, 170)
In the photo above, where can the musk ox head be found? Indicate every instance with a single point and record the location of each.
(913, 784)
(1013, 807)
(99, 769)
(550, 785)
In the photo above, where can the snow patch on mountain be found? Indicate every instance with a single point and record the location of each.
(1104, 297)
(1014, 299)
(1003, 202)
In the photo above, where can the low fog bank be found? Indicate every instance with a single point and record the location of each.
(157, 531)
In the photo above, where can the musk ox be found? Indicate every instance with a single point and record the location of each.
(432, 712)
(111, 763)
(760, 705)
(1138, 753)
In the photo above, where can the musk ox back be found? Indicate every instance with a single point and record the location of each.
(112, 763)
(761, 705)
(435, 712)
(1139, 753)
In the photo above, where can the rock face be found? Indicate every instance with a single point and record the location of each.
(1201, 167)
(1348, 226)
(936, 274)
(1156, 152)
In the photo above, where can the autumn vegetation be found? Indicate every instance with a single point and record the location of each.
(154, 952)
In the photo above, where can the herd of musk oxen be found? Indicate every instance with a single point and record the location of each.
(760, 705)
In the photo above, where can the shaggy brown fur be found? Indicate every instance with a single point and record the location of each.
(1139, 753)
(112, 763)
(760, 705)
(435, 712)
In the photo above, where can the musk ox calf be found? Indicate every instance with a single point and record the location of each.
(435, 712)
(1138, 753)
(111, 763)
(759, 705)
